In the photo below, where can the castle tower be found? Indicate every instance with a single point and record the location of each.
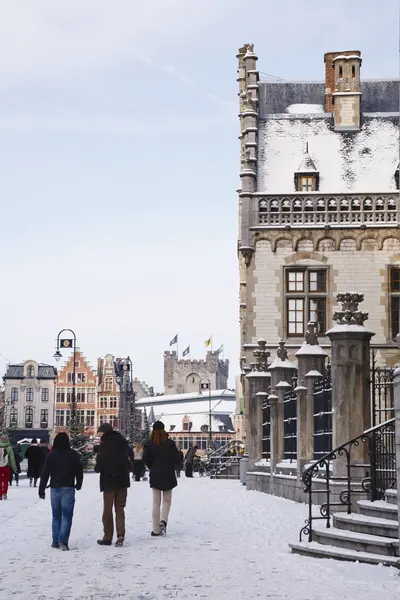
(183, 376)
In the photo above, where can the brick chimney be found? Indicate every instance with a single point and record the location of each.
(330, 77)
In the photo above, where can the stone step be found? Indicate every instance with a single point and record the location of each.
(391, 496)
(320, 551)
(366, 524)
(379, 509)
(351, 540)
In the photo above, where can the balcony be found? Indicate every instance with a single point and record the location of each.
(43, 424)
(331, 211)
(28, 424)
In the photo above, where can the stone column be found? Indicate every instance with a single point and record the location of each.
(311, 365)
(258, 379)
(282, 372)
(350, 375)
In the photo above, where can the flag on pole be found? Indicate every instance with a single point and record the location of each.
(186, 351)
(220, 349)
(174, 341)
(209, 342)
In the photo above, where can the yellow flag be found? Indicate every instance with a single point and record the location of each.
(209, 342)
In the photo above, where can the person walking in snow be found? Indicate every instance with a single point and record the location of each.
(7, 464)
(64, 468)
(35, 457)
(161, 456)
(179, 465)
(138, 463)
(190, 457)
(112, 462)
(18, 460)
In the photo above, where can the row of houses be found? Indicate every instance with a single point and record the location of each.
(37, 401)
(37, 397)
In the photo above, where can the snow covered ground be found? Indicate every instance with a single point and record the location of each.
(223, 542)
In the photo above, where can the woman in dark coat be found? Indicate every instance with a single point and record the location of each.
(179, 464)
(35, 457)
(18, 460)
(161, 457)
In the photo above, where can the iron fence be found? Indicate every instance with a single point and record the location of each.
(323, 414)
(266, 431)
(290, 423)
(382, 393)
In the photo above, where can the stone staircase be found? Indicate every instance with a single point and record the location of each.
(369, 536)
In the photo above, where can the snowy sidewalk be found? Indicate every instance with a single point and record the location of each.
(223, 542)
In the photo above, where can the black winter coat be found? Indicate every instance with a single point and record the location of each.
(162, 460)
(65, 469)
(112, 462)
(35, 457)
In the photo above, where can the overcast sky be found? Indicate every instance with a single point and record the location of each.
(119, 162)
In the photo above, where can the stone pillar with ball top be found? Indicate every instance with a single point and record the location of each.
(350, 376)
(311, 365)
(258, 379)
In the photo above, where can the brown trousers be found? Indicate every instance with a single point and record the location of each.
(115, 499)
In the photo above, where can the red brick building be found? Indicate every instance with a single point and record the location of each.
(85, 390)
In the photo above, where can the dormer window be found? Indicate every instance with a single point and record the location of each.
(306, 178)
(396, 176)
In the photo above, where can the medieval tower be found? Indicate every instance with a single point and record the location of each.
(183, 376)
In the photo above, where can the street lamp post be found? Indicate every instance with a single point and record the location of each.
(125, 365)
(61, 344)
(204, 385)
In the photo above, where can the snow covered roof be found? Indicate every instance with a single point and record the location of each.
(168, 398)
(223, 406)
(307, 165)
(305, 109)
(276, 97)
(363, 161)
(174, 423)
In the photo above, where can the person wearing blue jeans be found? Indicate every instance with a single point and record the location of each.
(64, 468)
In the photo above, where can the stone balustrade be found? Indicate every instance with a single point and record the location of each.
(318, 210)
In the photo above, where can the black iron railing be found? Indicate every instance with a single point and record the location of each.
(290, 423)
(382, 392)
(372, 475)
(323, 415)
(266, 430)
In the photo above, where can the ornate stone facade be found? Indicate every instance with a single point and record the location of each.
(183, 376)
(307, 234)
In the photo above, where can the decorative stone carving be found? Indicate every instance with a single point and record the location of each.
(311, 336)
(247, 101)
(249, 48)
(261, 355)
(281, 351)
(246, 155)
(247, 253)
(350, 315)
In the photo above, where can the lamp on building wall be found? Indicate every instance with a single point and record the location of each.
(64, 344)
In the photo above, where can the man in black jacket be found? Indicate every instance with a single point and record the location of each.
(64, 468)
(113, 465)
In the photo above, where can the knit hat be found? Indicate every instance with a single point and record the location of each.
(4, 438)
(158, 425)
(105, 428)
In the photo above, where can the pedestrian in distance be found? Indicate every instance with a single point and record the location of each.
(7, 464)
(138, 463)
(35, 456)
(190, 457)
(18, 460)
(64, 468)
(179, 465)
(112, 462)
(161, 457)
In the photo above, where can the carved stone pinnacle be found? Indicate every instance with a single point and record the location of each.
(350, 315)
(261, 355)
(311, 336)
(281, 351)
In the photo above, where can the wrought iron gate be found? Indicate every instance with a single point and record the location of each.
(266, 431)
(323, 415)
(382, 393)
(290, 423)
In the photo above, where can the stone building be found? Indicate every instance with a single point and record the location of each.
(29, 399)
(183, 376)
(108, 392)
(318, 204)
(85, 390)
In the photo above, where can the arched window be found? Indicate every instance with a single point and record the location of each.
(31, 371)
(13, 417)
(29, 394)
(29, 416)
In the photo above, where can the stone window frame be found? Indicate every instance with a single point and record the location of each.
(28, 417)
(306, 295)
(30, 394)
(44, 418)
(394, 307)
